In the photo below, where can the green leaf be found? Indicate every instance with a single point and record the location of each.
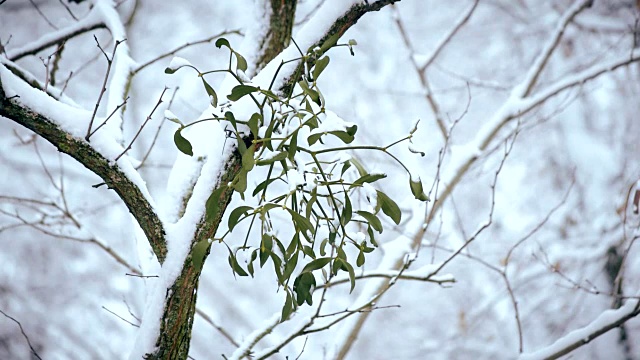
(233, 262)
(293, 245)
(302, 223)
(323, 244)
(265, 248)
(417, 191)
(198, 253)
(308, 250)
(330, 42)
(293, 146)
(232, 119)
(316, 264)
(254, 124)
(241, 90)
(240, 181)
(345, 167)
(389, 207)
(234, 217)
(183, 144)
(287, 308)
(289, 267)
(310, 202)
(359, 166)
(241, 63)
(213, 97)
(371, 219)
(222, 42)
(313, 138)
(254, 255)
(247, 158)
(368, 178)
(371, 237)
(360, 259)
(279, 156)
(303, 287)
(212, 205)
(263, 184)
(314, 95)
(321, 64)
(347, 211)
(277, 264)
(343, 135)
(352, 275)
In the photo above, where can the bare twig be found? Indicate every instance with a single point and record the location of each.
(184, 46)
(46, 19)
(33, 351)
(104, 83)
(421, 68)
(157, 134)
(121, 318)
(143, 125)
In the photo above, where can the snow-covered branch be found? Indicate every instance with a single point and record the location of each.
(608, 320)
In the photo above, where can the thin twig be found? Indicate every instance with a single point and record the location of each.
(157, 134)
(21, 329)
(143, 125)
(104, 83)
(43, 15)
(184, 46)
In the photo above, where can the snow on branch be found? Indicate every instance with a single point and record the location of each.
(93, 20)
(608, 320)
(63, 126)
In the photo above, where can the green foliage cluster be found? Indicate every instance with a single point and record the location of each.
(324, 212)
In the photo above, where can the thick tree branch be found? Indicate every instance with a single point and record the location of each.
(84, 153)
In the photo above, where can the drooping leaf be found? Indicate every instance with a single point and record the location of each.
(321, 64)
(293, 146)
(289, 267)
(213, 97)
(287, 308)
(254, 256)
(360, 259)
(303, 286)
(347, 211)
(302, 223)
(234, 217)
(212, 205)
(183, 144)
(254, 124)
(265, 248)
(389, 207)
(232, 119)
(247, 158)
(352, 275)
(417, 191)
(308, 250)
(198, 253)
(313, 94)
(371, 219)
(222, 42)
(241, 90)
(233, 262)
(241, 62)
(240, 182)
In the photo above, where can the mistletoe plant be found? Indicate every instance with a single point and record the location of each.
(328, 196)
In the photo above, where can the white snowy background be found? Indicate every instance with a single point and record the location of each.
(571, 169)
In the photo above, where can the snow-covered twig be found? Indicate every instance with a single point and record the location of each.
(606, 321)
